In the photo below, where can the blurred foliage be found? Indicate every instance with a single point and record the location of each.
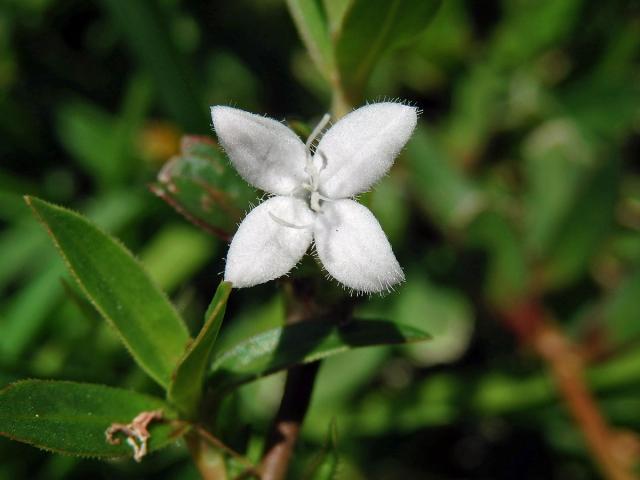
(520, 181)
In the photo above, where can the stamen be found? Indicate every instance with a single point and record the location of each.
(310, 167)
(325, 160)
(284, 223)
(316, 131)
(313, 172)
(314, 202)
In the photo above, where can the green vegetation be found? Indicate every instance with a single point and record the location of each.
(514, 211)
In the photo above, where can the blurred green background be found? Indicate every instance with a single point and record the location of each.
(521, 181)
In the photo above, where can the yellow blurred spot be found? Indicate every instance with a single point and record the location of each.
(159, 141)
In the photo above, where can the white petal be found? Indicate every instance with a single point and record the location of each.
(264, 249)
(354, 249)
(360, 148)
(265, 152)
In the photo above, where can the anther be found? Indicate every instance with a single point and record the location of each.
(324, 160)
(314, 201)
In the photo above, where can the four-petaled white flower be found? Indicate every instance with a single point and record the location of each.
(312, 194)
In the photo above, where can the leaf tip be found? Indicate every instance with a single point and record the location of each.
(30, 200)
(35, 204)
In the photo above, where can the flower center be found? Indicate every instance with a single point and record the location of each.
(313, 176)
(311, 185)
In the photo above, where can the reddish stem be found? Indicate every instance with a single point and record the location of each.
(288, 421)
(614, 452)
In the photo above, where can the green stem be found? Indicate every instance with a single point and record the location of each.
(340, 106)
(341, 101)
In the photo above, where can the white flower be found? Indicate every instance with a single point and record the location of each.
(312, 194)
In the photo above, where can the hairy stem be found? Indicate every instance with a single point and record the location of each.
(614, 452)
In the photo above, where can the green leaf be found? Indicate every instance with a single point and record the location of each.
(336, 10)
(81, 126)
(370, 28)
(449, 196)
(531, 26)
(390, 206)
(71, 418)
(284, 347)
(325, 465)
(20, 245)
(186, 387)
(175, 253)
(584, 226)
(507, 270)
(558, 158)
(312, 24)
(119, 288)
(227, 76)
(475, 113)
(620, 311)
(27, 311)
(145, 27)
(11, 187)
(444, 311)
(200, 184)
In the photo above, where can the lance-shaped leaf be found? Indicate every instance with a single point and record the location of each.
(281, 348)
(200, 185)
(119, 288)
(371, 27)
(186, 387)
(71, 418)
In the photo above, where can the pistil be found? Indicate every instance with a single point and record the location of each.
(314, 176)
